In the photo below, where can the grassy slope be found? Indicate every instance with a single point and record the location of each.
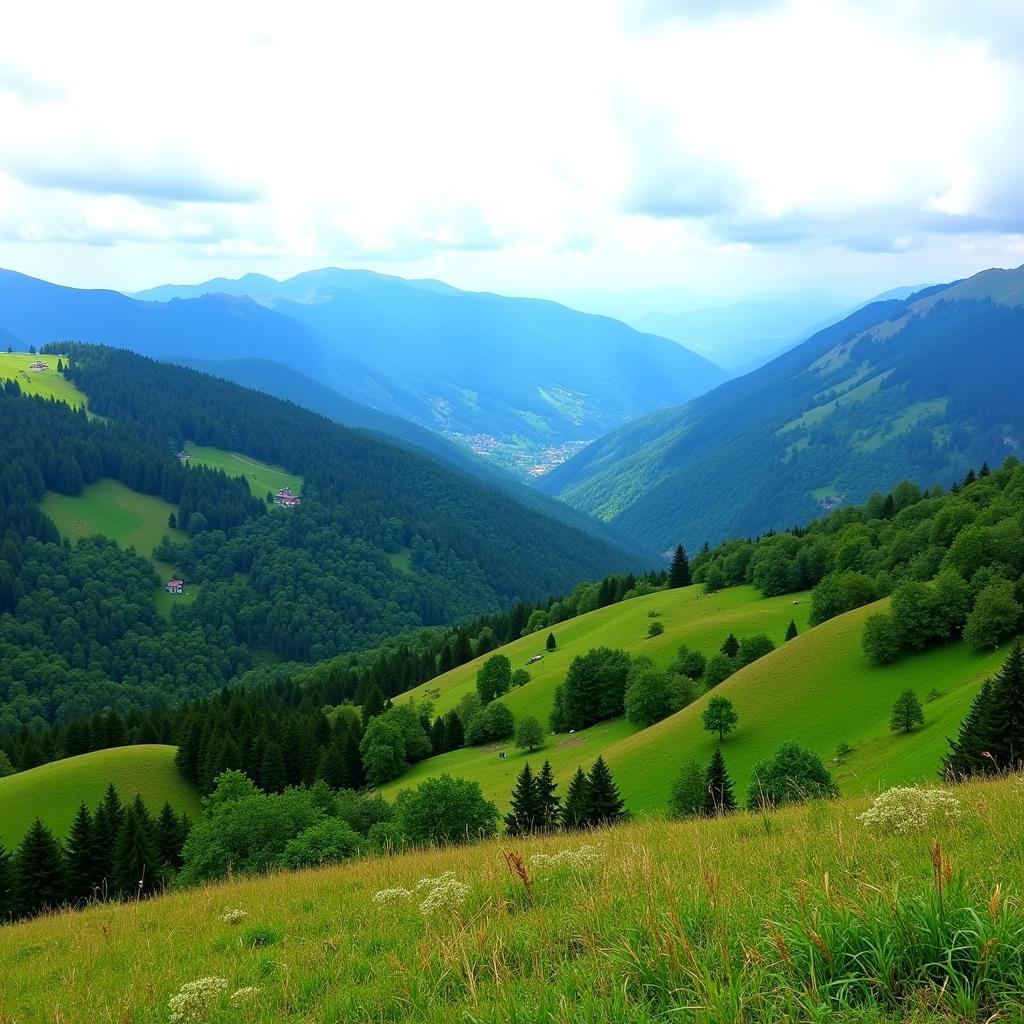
(54, 791)
(818, 690)
(666, 902)
(48, 384)
(132, 519)
(262, 477)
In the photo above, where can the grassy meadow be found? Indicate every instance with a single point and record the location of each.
(818, 690)
(45, 384)
(262, 477)
(132, 519)
(804, 915)
(53, 791)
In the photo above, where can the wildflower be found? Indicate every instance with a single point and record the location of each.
(586, 856)
(906, 809)
(242, 995)
(232, 915)
(445, 892)
(195, 1000)
(397, 895)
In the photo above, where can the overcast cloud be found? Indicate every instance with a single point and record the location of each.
(725, 148)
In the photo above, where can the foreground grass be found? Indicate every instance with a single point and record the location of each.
(54, 791)
(747, 919)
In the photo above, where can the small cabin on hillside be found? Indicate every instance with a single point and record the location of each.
(175, 586)
(286, 499)
(38, 366)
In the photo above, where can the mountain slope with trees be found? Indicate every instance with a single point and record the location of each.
(921, 388)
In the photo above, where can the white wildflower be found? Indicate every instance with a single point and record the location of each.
(586, 856)
(232, 915)
(196, 1000)
(242, 995)
(445, 892)
(396, 895)
(909, 809)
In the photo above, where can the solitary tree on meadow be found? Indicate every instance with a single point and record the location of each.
(906, 712)
(791, 631)
(719, 716)
(551, 642)
(529, 733)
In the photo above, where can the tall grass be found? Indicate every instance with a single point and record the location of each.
(815, 918)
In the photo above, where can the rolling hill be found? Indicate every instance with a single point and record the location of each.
(521, 380)
(918, 388)
(818, 690)
(53, 792)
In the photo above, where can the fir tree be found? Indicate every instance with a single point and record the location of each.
(332, 767)
(730, 646)
(604, 806)
(720, 799)
(574, 810)
(551, 643)
(136, 862)
(524, 812)
(80, 857)
(965, 753)
(1004, 723)
(374, 703)
(38, 872)
(106, 824)
(6, 886)
(906, 712)
(169, 835)
(548, 811)
(791, 632)
(273, 777)
(679, 572)
(454, 735)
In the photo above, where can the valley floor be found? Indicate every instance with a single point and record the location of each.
(803, 915)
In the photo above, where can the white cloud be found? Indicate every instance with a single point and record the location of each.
(536, 146)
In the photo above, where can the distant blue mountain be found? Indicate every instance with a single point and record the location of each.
(519, 372)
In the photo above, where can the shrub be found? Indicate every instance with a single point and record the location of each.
(719, 668)
(327, 842)
(655, 629)
(446, 810)
(880, 641)
(791, 775)
(495, 722)
(908, 809)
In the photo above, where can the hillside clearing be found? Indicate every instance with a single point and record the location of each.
(54, 791)
(45, 384)
(261, 476)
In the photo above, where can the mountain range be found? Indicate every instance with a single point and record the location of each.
(921, 387)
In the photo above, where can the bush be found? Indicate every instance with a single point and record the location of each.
(880, 642)
(792, 775)
(647, 698)
(719, 668)
(385, 837)
(495, 722)
(693, 664)
(446, 810)
(752, 648)
(327, 842)
(655, 629)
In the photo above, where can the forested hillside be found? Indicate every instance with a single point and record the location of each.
(917, 389)
(382, 542)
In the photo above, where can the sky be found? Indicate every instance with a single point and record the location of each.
(685, 149)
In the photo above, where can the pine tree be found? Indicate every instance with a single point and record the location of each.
(679, 572)
(461, 651)
(548, 811)
(731, 646)
(169, 835)
(720, 799)
(437, 734)
(454, 735)
(574, 810)
(38, 872)
(373, 705)
(965, 757)
(604, 806)
(273, 777)
(551, 643)
(791, 632)
(136, 862)
(524, 812)
(80, 857)
(106, 824)
(1004, 723)
(6, 886)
